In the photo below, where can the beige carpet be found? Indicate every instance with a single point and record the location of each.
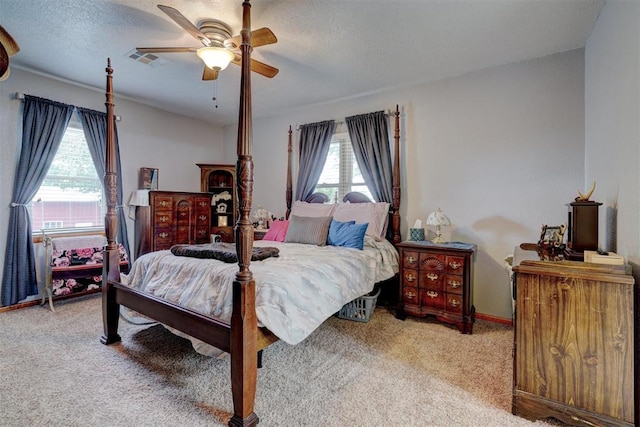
(55, 372)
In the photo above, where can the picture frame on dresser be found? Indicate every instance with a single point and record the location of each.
(148, 179)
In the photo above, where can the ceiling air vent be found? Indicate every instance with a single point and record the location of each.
(146, 58)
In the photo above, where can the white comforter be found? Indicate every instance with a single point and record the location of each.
(295, 292)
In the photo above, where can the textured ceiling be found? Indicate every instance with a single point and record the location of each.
(326, 50)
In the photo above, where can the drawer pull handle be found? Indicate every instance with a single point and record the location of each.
(410, 277)
(410, 295)
(164, 203)
(454, 302)
(432, 276)
(163, 235)
(202, 232)
(455, 284)
(203, 204)
(455, 265)
(411, 260)
(164, 218)
(203, 217)
(432, 294)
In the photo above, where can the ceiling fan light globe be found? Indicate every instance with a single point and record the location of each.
(216, 58)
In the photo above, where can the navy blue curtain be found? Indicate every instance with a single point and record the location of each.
(315, 139)
(43, 125)
(369, 135)
(94, 124)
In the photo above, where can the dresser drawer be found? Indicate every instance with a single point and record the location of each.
(163, 219)
(410, 295)
(203, 235)
(454, 265)
(163, 203)
(453, 303)
(432, 262)
(202, 219)
(432, 280)
(454, 284)
(410, 277)
(411, 259)
(163, 240)
(432, 298)
(203, 204)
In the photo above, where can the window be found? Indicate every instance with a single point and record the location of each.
(71, 194)
(341, 173)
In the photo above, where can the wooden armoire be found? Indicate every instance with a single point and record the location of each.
(220, 181)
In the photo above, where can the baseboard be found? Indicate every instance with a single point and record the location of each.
(55, 298)
(495, 319)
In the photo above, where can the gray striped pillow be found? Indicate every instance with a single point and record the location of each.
(309, 230)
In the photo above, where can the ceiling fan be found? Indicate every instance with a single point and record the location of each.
(219, 48)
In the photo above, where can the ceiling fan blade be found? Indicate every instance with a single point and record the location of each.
(209, 74)
(165, 49)
(185, 23)
(259, 37)
(258, 67)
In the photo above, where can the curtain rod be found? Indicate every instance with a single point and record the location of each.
(341, 122)
(20, 96)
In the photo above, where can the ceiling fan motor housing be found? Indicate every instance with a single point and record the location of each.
(216, 31)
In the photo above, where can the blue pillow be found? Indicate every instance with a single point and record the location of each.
(347, 234)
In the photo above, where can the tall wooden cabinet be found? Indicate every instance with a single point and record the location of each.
(174, 218)
(574, 343)
(220, 180)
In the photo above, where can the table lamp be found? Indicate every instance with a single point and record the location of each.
(438, 218)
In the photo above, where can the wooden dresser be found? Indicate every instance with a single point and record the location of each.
(574, 343)
(174, 217)
(437, 279)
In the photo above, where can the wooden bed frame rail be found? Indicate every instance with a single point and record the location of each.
(241, 338)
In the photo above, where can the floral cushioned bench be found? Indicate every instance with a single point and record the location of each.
(75, 265)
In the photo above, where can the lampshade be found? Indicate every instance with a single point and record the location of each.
(438, 218)
(216, 58)
(139, 198)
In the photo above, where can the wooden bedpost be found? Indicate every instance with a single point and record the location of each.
(111, 259)
(395, 217)
(244, 324)
(289, 192)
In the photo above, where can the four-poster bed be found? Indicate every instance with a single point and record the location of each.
(241, 335)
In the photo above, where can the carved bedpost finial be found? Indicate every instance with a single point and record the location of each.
(585, 197)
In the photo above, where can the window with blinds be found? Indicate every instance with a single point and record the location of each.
(71, 195)
(341, 173)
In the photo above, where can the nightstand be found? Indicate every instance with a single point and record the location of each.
(436, 279)
(259, 234)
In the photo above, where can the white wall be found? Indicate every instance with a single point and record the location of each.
(148, 138)
(501, 151)
(612, 111)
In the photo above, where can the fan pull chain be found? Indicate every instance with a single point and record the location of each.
(215, 93)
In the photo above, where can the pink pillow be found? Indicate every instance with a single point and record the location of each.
(277, 231)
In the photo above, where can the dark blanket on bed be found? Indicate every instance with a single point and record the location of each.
(225, 252)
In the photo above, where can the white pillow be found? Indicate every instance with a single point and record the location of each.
(301, 208)
(376, 214)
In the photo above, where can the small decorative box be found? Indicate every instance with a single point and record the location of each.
(416, 234)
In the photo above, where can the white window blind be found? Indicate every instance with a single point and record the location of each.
(341, 173)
